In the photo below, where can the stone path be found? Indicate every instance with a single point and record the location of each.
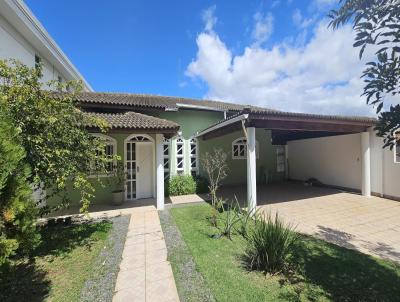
(145, 274)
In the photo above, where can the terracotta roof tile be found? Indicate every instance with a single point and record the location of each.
(156, 101)
(134, 120)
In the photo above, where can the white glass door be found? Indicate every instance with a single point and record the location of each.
(130, 192)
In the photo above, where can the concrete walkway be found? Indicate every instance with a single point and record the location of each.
(369, 225)
(145, 274)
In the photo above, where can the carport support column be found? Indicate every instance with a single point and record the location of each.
(251, 169)
(365, 165)
(160, 171)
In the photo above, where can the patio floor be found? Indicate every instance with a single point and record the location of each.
(369, 225)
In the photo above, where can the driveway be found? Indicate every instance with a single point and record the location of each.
(369, 225)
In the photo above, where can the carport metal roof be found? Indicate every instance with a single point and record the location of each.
(287, 126)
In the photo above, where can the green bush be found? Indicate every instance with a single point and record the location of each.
(269, 243)
(202, 185)
(18, 212)
(181, 185)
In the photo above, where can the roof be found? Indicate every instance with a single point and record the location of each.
(159, 102)
(17, 13)
(255, 113)
(289, 121)
(134, 120)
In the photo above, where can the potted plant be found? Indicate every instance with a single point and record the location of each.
(118, 182)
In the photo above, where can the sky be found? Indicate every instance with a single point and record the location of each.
(272, 53)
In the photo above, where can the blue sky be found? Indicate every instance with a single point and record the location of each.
(270, 53)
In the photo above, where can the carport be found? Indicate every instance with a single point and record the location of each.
(286, 127)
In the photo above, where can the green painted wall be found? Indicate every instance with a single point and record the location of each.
(103, 185)
(266, 160)
(191, 121)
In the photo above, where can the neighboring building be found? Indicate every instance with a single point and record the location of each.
(22, 37)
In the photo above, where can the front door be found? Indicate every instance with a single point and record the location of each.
(144, 168)
(139, 167)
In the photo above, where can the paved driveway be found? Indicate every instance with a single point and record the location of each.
(370, 225)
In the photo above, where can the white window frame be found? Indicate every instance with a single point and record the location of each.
(280, 159)
(193, 142)
(166, 157)
(180, 142)
(242, 141)
(110, 141)
(396, 149)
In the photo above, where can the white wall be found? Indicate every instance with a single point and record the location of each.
(332, 160)
(336, 161)
(385, 176)
(13, 45)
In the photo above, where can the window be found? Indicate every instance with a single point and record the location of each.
(38, 60)
(239, 148)
(166, 148)
(397, 147)
(280, 159)
(179, 155)
(194, 166)
(110, 150)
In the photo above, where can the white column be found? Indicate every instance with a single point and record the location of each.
(160, 171)
(365, 164)
(251, 169)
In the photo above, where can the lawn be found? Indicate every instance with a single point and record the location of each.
(323, 271)
(60, 265)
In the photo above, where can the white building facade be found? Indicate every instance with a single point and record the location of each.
(22, 37)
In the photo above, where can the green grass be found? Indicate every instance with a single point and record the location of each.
(60, 265)
(323, 271)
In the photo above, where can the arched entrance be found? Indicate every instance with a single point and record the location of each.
(139, 166)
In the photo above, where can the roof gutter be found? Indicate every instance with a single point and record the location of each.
(223, 124)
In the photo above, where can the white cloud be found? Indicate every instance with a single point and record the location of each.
(322, 76)
(209, 18)
(301, 21)
(263, 28)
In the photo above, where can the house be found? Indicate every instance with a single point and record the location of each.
(24, 38)
(159, 136)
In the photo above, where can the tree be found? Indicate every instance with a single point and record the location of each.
(52, 131)
(377, 24)
(18, 212)
(216, 167)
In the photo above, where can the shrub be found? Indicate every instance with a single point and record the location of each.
(53, 132)
(202, 185)
(181, 185)
(18, 212)
(269, 243)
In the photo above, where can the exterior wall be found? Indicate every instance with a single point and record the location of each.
(265, 162)
(103, 193)
(13, 45)
(332, 160)
(385, 173)
(336, 161)
(190, 121)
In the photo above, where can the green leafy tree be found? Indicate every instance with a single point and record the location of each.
(59, 149)
(18, 212)
(377, 24)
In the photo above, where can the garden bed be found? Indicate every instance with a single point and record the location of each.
(321, 271)
(73, 263)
